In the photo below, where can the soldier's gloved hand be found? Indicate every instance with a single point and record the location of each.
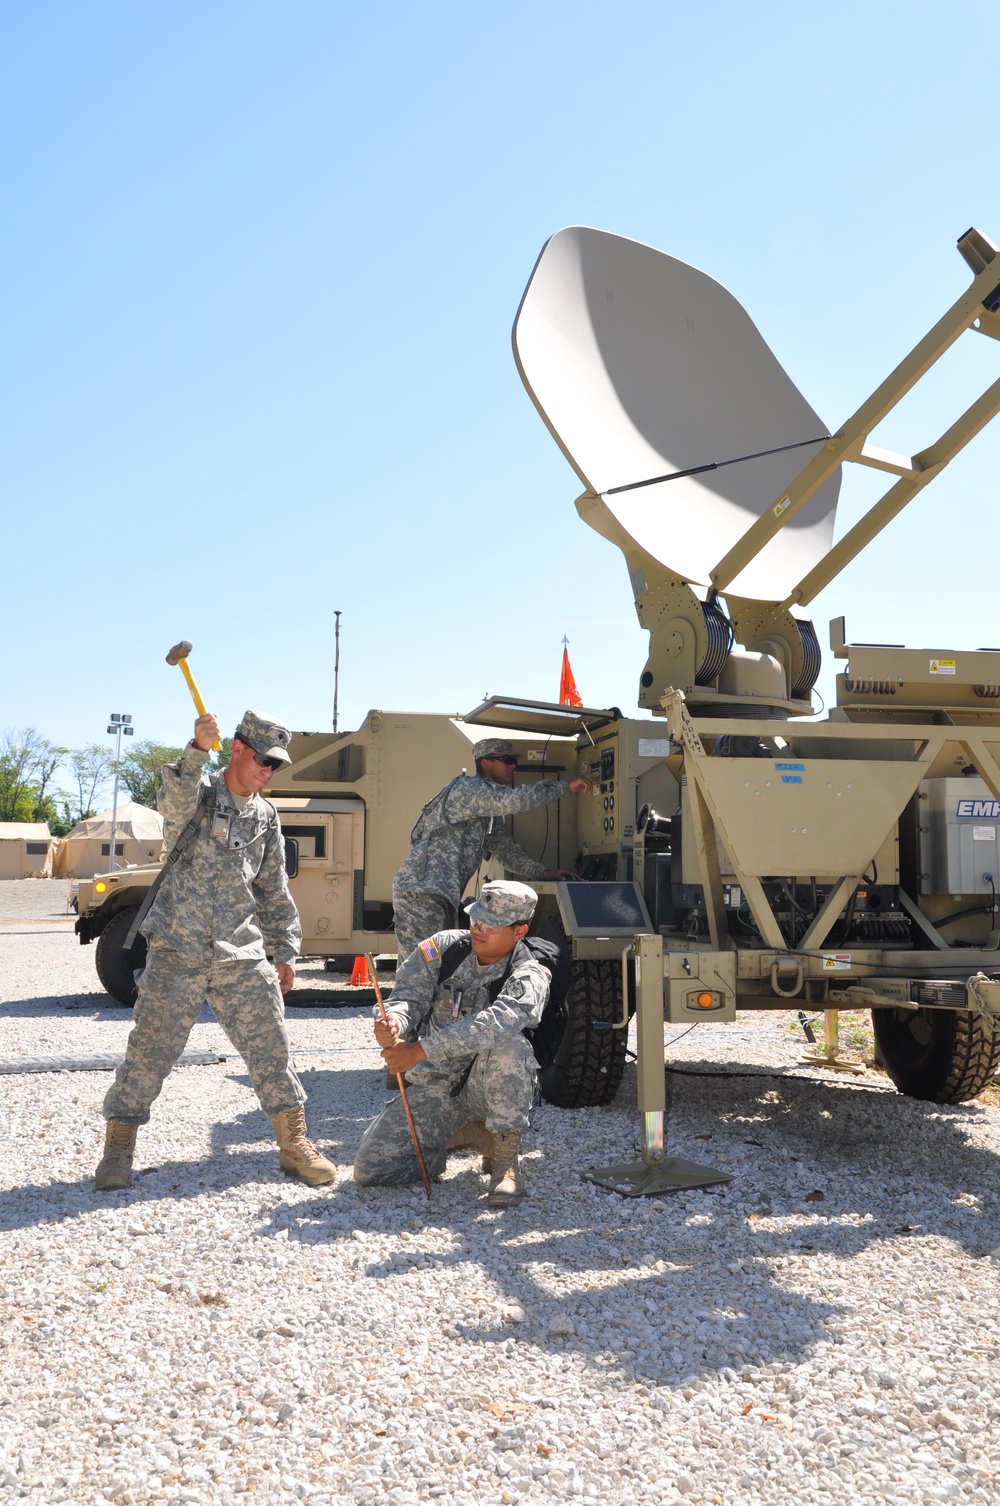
(206, 732)
(404, 1056)
(286, 975)
(387, 1034)
(581, 786)
(566, 874)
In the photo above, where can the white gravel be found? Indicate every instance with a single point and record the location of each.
(219, 1334)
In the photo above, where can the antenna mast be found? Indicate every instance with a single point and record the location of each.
(336, 667)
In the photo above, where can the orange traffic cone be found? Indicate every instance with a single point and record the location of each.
(360, 975)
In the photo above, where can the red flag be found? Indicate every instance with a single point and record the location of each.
(568, 693)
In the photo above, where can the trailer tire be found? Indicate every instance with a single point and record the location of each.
(115, 966)
(943, 1055)
(587, 1068)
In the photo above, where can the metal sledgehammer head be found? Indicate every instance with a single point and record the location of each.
(179, 655)
(179, 651)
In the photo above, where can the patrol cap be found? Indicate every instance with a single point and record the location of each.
(264, 735)
(494, 747)
(503, 902)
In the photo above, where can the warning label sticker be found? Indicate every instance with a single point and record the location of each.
(942, 666)
(835, 962)
(984, 833)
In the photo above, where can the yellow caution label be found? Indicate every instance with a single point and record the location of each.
(942, 666)
(779, 507)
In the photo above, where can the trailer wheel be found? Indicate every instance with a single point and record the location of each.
(115, 966)
(944, 1055)
(587, 1068)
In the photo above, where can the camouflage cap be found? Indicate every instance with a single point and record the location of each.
(264, 735)
(503, 902)
(494, 747)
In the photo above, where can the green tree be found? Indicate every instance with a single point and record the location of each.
(140, 770)
(92, 768)
(59, 822)
(27, 763)
(219, 760)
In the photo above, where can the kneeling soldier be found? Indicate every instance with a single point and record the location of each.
(473, 1070)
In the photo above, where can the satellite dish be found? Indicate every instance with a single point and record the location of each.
(641, 365)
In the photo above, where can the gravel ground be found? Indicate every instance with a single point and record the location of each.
(822, 1329)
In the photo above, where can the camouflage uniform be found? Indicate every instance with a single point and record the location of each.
(499, 1088)
(219, 912)
(462, 825)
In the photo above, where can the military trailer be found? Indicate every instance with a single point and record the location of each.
(737, 853)
(842, 863)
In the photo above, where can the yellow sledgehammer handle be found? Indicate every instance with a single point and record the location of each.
(196, 695)
(185, 670)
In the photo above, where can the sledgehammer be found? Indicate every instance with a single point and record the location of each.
(179, 655)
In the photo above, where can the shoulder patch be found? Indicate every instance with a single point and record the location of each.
(429, 950)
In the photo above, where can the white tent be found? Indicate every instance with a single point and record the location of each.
(25, 850)
(86, 850)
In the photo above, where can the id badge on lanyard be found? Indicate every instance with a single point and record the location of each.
(220, 827)
(456, 1002)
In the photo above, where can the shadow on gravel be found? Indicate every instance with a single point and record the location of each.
(99, 1005)
(656, 1327)
(821, 1170)
(657, 1291)
(318, 1001)
(230, 1164)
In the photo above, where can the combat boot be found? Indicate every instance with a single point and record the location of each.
(506, 1182)
(474, 1136)
(115, 1169)
(298, 1155)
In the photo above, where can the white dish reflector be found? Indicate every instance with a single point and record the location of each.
(640, 364)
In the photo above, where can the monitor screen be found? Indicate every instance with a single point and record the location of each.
(606, 908)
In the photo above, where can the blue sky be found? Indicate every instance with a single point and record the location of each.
(258, 275)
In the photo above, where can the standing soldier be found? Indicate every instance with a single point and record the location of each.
(221, 909)
(462, 825)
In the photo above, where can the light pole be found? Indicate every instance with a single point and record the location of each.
(119, 724)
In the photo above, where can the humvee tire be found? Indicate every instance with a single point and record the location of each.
(115, 966)
(588, 1065)
(944, 1055)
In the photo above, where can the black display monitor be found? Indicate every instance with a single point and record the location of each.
(605, 909)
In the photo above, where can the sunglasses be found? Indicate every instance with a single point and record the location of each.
(268, 763)
(507, 758)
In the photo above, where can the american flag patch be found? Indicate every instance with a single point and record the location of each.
(429, 951)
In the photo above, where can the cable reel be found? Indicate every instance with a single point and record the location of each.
(720, 643)
(812, 660)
